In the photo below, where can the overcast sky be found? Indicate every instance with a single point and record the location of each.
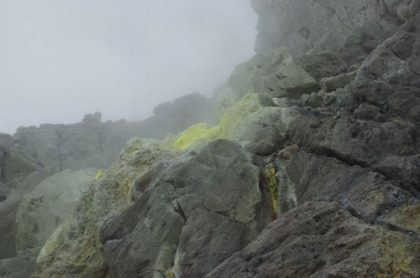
(62, 59)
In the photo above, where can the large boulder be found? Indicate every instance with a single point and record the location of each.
(202, 210)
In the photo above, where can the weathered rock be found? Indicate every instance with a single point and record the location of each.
(322, 65)
(396, 61)
(34, 152)
(265, 141)
(334, 82)
(172, 224)
(240, 123)
(404, 218)
(42, 210)
(317, 26)
(345, 186)
(395, 88)
(367, 111)
(341, 138)
(275, 73)
(76, 241)
(206, 240)
(403, 170)
(364, 192)
(322, 240)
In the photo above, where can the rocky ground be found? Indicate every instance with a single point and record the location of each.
(315, 173)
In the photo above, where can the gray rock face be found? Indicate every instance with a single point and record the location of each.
(341, 185)
(202, 211)
(316, 26)
(322, 240)
(42, 210)
(32, 154)
(275, 73)
(93, 143)
(361, 191)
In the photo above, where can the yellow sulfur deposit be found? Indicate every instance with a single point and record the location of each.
(230, 123)
(270, 174)
(197, 131)
(99, 174)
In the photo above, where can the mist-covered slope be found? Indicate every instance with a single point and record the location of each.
(313, 169)
(34, 153)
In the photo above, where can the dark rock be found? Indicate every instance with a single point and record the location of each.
(178, 115)
(366, 111)
(390, 61)
(266, 141)
(341, 138)
(206, 240)
(339, 81)
(322, 65)
(323, 240)
(365, 193)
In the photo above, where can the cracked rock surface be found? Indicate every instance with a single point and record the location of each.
(335, 195)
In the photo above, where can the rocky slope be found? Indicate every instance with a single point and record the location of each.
(35, 153)
(312, 171)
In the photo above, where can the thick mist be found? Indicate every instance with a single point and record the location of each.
(63, 59)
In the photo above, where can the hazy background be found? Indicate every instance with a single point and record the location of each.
(62, 59)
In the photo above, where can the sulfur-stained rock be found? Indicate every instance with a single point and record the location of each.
(323, 240)
(404, 218)
(242, 122)
(76, 241)
(173, 223)
(338, 169)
